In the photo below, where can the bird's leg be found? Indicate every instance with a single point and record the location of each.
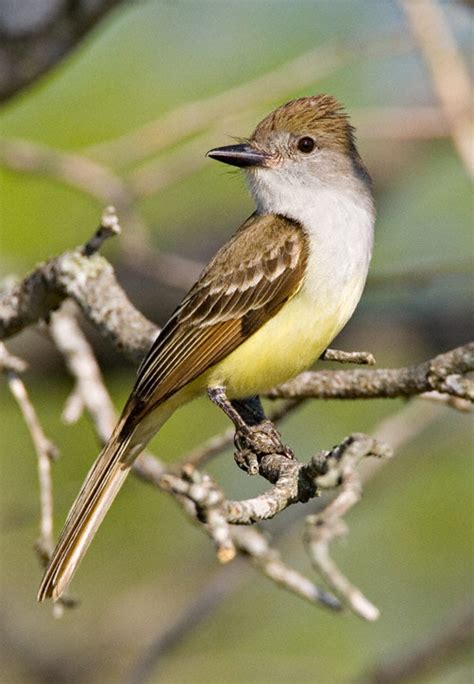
(250, 410)
(255, 435)
(218, 397)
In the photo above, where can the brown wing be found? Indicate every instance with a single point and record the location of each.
(242, 288)
(245, 284)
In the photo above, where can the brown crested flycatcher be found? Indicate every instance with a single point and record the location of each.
(264, 309)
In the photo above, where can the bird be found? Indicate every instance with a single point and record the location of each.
(264, 309)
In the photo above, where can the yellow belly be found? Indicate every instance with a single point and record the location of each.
(283, 347)
(286, 345)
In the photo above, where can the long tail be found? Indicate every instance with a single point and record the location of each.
(100, 488)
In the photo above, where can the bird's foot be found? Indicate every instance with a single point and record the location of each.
(255, 436)
(256, 441)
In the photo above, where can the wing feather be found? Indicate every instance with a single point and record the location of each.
(238, 292)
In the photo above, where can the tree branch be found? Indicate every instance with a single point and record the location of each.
(88, 279)
(444, 373)
(321, 529)
(46, 451)
(35, 40)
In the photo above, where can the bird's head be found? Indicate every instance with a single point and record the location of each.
(298, 135)
(306, 143)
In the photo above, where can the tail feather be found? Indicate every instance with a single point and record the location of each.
(100, 488)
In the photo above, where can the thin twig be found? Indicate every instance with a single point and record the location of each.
(322, 528)
(362, 358)
(46, 452)
(89, 388)
(450, 76)
(109, 227)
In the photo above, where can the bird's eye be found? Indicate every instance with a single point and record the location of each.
(306, 144)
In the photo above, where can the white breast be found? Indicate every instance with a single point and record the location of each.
(340, 237)
(338, 218)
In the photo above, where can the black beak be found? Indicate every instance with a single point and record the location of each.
(239, 155)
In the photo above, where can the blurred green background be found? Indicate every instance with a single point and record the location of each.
(410, 541)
